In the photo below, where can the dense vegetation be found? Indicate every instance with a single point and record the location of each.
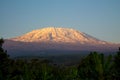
(95, 66)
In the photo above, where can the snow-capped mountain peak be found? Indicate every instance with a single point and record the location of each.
(57, 40)
(52, 34)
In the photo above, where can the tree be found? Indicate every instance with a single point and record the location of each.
(4, 62)
(116, 66)
(95, 67)
(86, 68)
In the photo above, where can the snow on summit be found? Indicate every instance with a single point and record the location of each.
(52, 34)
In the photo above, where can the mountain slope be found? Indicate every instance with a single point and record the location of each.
(58, 35)
(56, 40)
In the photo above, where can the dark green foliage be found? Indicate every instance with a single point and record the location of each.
(116, 66)
(95, 67)
(86, 69)
(4, 62)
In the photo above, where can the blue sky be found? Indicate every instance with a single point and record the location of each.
(98, 18)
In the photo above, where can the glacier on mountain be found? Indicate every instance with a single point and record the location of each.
(52, 34)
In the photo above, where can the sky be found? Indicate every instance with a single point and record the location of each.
(98, 18)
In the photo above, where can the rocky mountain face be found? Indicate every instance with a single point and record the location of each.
(61, 39)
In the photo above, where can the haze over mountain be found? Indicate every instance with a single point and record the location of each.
(54, 39)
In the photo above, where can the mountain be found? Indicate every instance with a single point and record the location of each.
(52, 39)
(59, 35)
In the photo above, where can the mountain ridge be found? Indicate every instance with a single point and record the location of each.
(56, 40)
(58, 35)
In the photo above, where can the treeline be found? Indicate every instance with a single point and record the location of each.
(95, 66)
